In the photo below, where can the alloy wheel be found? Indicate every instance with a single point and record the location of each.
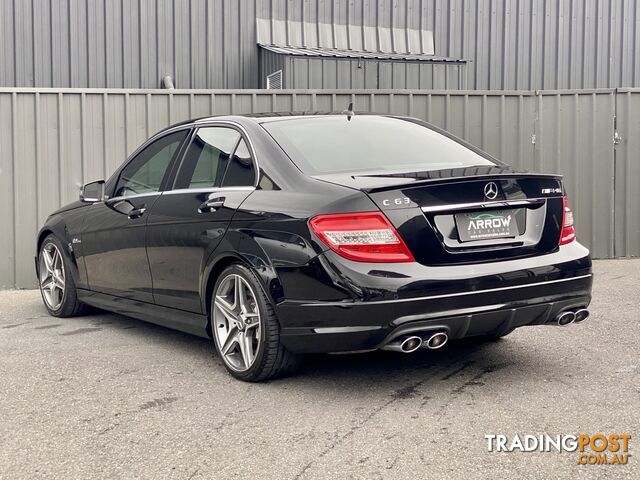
(52, 276)
(236, 322)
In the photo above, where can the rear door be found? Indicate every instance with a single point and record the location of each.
(187, 222)
(113, 239)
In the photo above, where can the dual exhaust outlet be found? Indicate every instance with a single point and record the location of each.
(572, 316)
(438, 340)
(413, 342)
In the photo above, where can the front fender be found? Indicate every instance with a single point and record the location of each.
(67, 227)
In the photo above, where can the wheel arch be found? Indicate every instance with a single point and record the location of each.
(265, 273)
(42, 234)
(210, 280)
(58, 229)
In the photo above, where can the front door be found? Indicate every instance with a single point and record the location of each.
(114, 233)
(188, 222)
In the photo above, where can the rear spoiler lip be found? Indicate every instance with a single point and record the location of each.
(431, 181)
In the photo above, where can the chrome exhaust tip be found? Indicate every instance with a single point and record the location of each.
(566, 318)
(411, 344)
(581, 315)
(436, 341)
(407, 345)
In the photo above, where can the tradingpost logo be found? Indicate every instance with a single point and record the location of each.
(596, 449)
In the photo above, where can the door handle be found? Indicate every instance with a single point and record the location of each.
(136, 213)
(211, 205)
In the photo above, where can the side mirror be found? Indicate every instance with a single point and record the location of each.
(92, 192)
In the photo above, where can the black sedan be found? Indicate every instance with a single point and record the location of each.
(283, 234)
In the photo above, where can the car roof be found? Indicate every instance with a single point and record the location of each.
(271, 117)
(267, 117)
(275, 116)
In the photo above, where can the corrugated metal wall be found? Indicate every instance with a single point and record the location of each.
(513, 44)
(331, 73)
(52, 141)
(128, 43)
(627, 172)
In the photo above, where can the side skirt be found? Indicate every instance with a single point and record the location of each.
(187, 322)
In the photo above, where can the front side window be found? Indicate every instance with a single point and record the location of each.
(207, 158)
(145, 172)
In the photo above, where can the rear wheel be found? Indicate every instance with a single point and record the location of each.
(56, 282)
(245, 329)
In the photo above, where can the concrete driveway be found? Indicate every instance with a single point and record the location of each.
(105, 396)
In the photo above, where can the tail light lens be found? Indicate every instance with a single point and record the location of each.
(363, 237)
(568, 233)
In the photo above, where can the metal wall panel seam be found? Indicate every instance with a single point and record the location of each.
(37, 150)
(593, 165)
(61, 151)
(612, 171)
(83, 143)
(14, 151)
(627, 197)
(105, 148)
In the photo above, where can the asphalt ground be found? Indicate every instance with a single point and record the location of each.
(105, 396)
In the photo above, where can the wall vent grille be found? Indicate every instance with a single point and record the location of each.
(274, 81)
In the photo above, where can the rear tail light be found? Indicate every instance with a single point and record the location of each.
(568, 233)
(363, 237)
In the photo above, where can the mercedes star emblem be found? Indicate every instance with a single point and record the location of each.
(491, 190)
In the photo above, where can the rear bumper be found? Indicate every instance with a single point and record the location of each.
(463, 300)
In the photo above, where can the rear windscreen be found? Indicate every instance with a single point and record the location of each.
(334, 144)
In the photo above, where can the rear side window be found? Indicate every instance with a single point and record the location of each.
(207, 158)
(144, 174)
(240, 172)
(366, 143)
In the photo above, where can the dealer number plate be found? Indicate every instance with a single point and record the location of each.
(485, 225)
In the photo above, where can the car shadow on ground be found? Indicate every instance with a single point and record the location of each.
(352, 372)
(462, 363)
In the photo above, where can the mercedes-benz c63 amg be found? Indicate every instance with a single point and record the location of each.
(282, 234)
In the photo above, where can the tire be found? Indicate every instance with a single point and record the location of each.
(65, 304)
(267, 358)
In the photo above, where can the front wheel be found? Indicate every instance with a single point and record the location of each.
(55, 280)
(245, 329)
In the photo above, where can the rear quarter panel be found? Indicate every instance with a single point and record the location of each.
(270, 231)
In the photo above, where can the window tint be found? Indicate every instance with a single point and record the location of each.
(240, 172)
(207, 158)
(145, 172)
(334, 144)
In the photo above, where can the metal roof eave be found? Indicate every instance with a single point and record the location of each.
(361, 55)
